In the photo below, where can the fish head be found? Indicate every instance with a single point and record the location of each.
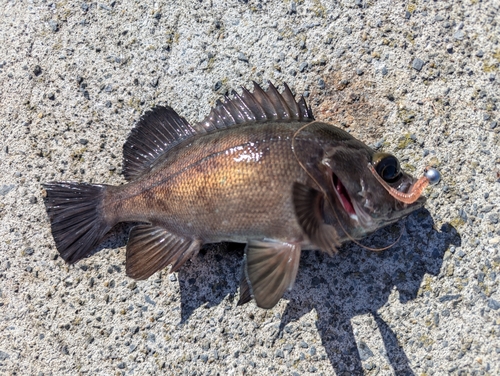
(356, 197)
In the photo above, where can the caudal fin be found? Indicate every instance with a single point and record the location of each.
(76, 217)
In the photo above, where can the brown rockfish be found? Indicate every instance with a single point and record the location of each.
(258, 170)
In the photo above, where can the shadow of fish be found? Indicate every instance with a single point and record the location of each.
(258, 170)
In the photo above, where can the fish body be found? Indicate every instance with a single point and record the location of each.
(258, 170)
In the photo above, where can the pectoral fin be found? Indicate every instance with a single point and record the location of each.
(308, 202)
(270, 269)
(151, 248)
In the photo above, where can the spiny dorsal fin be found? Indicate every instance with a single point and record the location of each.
(162, 128)
(259, 106)
(156, 132)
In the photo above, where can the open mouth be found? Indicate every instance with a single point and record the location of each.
(343, 197)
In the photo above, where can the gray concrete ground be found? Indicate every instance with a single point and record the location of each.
(417, 78)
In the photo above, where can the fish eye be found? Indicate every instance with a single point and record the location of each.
(387, 166)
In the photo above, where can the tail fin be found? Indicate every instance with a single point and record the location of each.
(76, 217)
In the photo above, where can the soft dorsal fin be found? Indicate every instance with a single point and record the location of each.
(161, 128)
(156, 132)
(259, 106)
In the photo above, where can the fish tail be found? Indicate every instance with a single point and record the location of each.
(77, 217)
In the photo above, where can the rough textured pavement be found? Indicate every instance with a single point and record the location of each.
(417, 78)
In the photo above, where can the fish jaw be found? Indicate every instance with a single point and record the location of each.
(359, 219)
(344, 198)
(365, 206)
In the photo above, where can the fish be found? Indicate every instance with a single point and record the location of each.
(259, 169)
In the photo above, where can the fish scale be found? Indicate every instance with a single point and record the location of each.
(223, 186)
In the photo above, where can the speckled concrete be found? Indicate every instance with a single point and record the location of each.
(417, 78)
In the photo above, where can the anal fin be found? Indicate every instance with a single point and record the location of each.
(307, 202)
(270, 269)
(151, 248)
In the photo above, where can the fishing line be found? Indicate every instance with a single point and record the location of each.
(328, 198)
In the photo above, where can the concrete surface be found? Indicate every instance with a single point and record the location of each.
(418, 78)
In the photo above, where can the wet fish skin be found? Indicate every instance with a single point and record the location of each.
(220, 191)
(258, 170)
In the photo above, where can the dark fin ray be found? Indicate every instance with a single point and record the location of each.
(278, 102)
(253, 105)
(243, 107)
(76, 218)
(215, 121)
(307, 202)
(237, 115)
(187, 253)
(259, 106)
(152, 248)
(270, 270)
(290, 102)
(305, 111)
(268, 107)
(245, 293)
(156, 132)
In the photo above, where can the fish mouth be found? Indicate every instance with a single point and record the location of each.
(344, 197)
(360, 211)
